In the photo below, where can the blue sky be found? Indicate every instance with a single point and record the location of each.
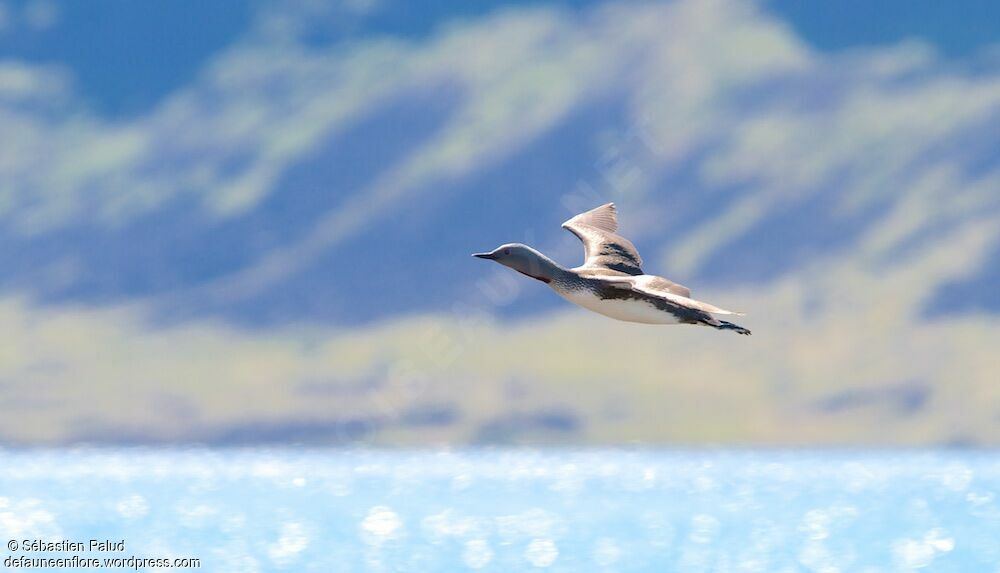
(259, 199)
(127, 56)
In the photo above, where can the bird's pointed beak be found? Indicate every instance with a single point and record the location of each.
(483, 255)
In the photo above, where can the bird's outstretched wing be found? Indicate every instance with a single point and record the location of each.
(667, 290)
(660, 284)
(603, 247)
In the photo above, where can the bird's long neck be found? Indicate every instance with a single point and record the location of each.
(543, 268)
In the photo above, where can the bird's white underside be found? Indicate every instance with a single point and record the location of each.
(632, 310)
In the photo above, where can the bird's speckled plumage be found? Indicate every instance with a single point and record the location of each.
(611, 280)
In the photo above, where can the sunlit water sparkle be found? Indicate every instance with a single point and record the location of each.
(517, 510)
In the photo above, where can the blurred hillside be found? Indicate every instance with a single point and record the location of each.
(269, 240)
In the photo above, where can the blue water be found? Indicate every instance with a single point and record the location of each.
(513, 510)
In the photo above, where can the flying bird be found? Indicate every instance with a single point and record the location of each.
(611, 281)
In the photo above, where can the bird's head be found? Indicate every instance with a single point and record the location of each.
(522, 259)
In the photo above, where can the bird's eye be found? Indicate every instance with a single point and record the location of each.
(506, 251)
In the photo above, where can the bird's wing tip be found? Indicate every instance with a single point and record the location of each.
(717, 310)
